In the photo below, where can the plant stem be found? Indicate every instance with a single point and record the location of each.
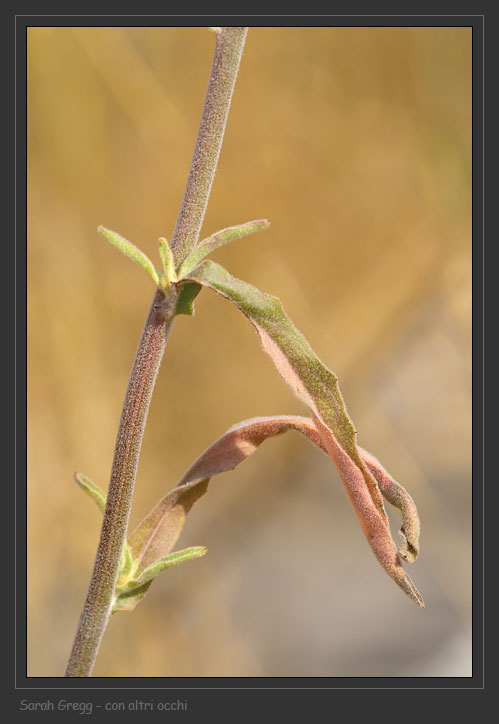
(96, 610)
(98, 603)
(228, 51)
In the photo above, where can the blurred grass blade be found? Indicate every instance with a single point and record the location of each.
(131, 251)
(315, 385)
(220, 238)
(92, 490)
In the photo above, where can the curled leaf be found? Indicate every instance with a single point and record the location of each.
(373, 524)
(131, 251)
(400, 498)
(315, 385)
(220, 238)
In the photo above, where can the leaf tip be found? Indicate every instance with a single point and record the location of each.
(104, 231)
(406, 584)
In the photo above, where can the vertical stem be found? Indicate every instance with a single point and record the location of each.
(228, 50)
(97, 607)
(98, 603)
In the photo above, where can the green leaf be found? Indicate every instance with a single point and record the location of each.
(173, 559)
(295, 360)
(127, 565)
(131, 251)
(129, 593)
(159, 531)
(220, 238)
(92, 490)
(188, 292)
(127, 600)
(315, 385)
(168, 276)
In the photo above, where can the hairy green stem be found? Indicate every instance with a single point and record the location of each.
(98, 603)
(228, 50)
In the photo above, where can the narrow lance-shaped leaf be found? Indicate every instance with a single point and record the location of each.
(317, 387)
(220, 238)
(173, 559)
(92, 490)
(159, 531)
(132, 591)
(131, 251)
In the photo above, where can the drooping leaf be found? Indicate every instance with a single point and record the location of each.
(315, 385)
(161, 528)
(92, 490)
(310, 380)
(131, 251)
(156, 535)
(220, 238)
(375, 528)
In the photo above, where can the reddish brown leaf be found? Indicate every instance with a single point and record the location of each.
(158, 532)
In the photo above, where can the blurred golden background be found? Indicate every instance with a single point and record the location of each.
(356, 144)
